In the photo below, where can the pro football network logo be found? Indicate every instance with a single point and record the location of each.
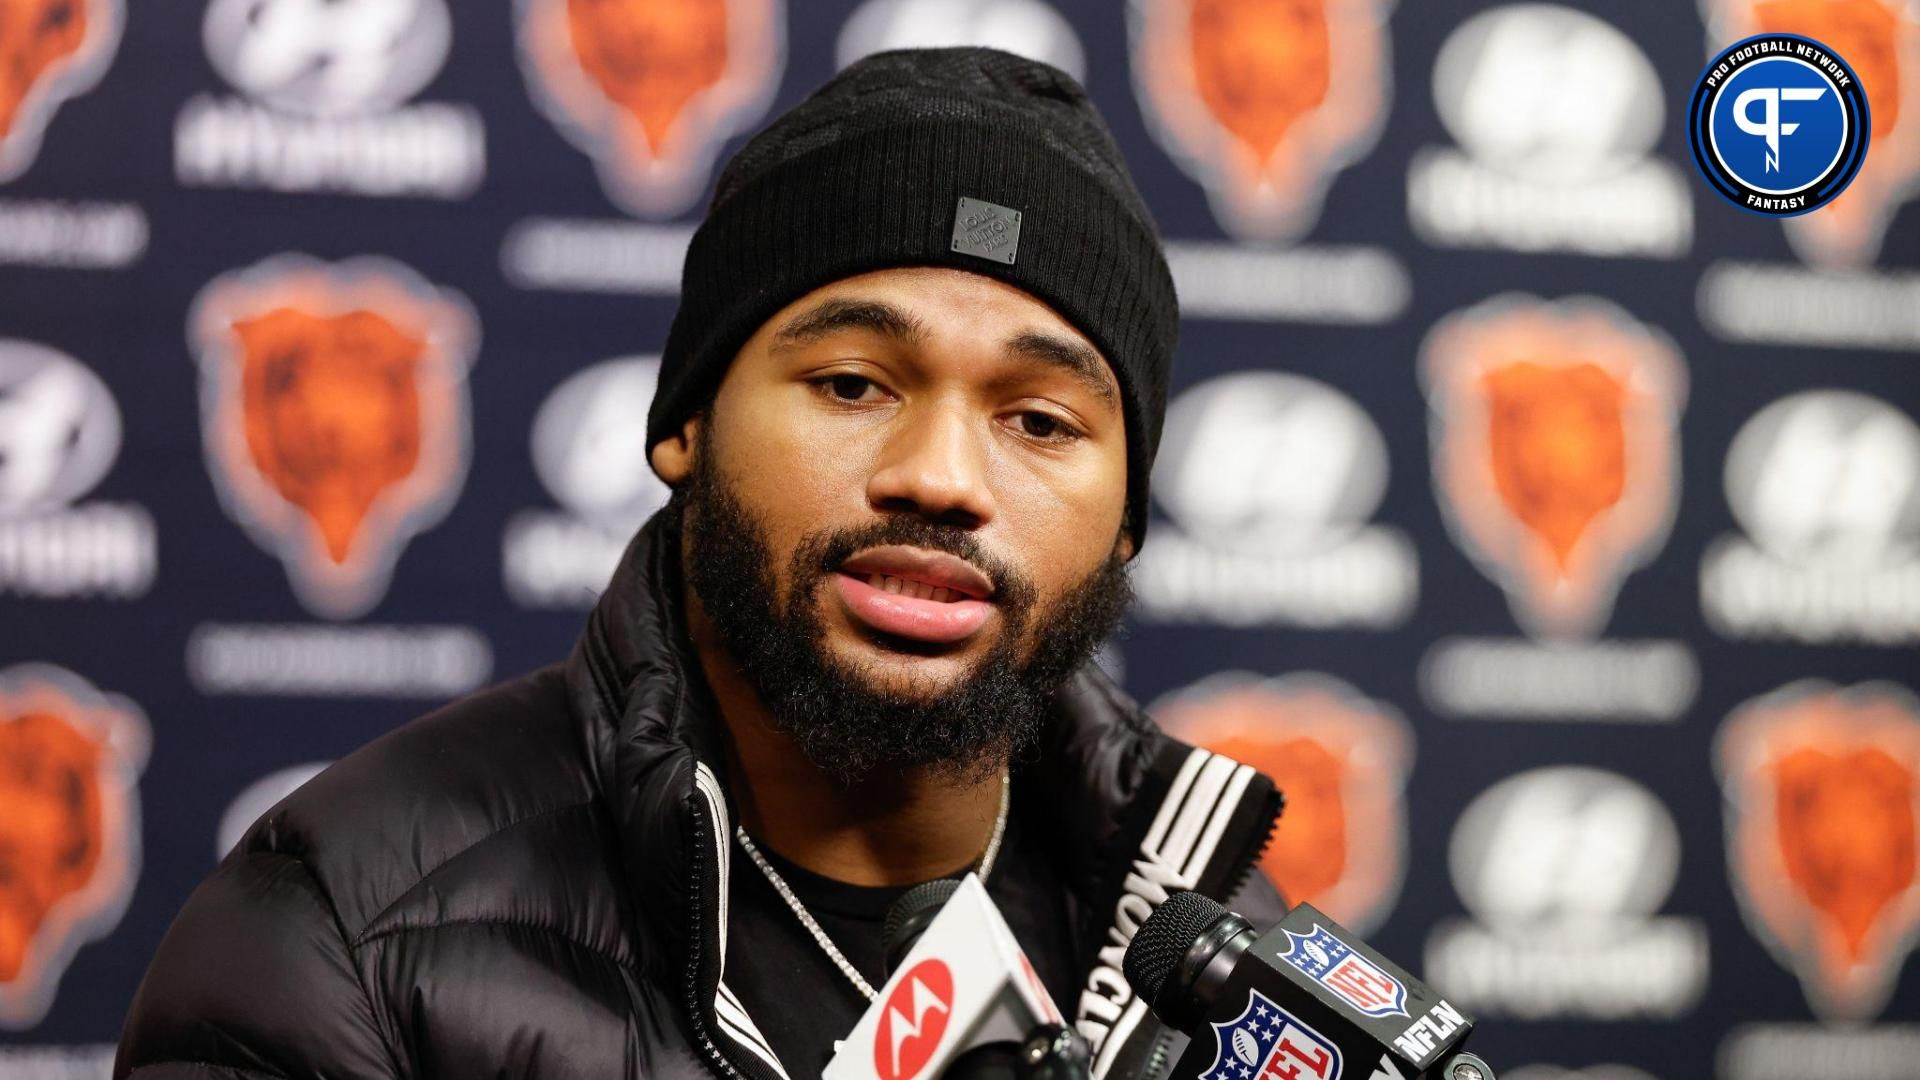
(1262, 101)
(70, 763)
(651, 91)
(50, 50)
(1266, 1040)
(1881, 42)
(1778, 124)
(1351, 977)
(333, 403)
(59, 435)
(592, 458)
(1823, 835)
(1555, 447)
(1343, 761)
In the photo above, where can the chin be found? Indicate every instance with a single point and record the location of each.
(892, 664)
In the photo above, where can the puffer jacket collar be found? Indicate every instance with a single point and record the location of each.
(1135, 815)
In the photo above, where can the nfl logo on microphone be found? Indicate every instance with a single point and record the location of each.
(1353, 978)
(1266, 1042)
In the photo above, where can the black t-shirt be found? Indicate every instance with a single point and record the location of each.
(802, 1001)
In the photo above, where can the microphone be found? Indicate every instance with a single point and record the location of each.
(910, 916)
(961, 999)
(1052, 1051)
(1306, 1000)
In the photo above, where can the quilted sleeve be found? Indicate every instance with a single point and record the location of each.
(254, 979)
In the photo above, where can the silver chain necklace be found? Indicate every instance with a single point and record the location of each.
(820, 935)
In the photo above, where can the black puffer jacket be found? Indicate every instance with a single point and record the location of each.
(530, 881)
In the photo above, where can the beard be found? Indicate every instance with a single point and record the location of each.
(848, 718)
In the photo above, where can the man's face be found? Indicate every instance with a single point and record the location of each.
(905, 515)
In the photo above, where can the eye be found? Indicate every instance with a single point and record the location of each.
(1047, 427)
(843, 387)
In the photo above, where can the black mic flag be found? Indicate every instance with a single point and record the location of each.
(1305, 1000)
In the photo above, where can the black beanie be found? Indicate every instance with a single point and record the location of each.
(971, 158)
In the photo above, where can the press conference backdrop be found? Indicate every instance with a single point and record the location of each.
(1549, 527)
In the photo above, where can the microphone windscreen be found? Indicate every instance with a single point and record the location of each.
(907, 919)
(1164, 938)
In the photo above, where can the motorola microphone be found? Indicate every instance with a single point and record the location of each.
(961, 1000)
(1053, 1051)
(910, 916)
(1306, 1000)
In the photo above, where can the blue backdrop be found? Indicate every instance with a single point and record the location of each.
(1547, 525)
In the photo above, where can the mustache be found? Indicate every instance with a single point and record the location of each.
(823, 553)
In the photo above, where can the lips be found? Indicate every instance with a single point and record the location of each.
(915, 593)
(936, 569)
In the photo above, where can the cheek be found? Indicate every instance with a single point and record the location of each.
(1068, 516)
(795, 479)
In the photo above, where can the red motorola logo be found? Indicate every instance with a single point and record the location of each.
(914, 1022)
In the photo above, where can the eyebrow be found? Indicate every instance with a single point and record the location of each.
(1083, 362)
(832, 316)
(888, 321)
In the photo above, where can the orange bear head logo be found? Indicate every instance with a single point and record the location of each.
(334, 404)
(1823, 836)
(1554, 447)
(50, 50)
(1880, 40)
(1263, 100)
(1340, 759)
(70, 761)
(652, 88)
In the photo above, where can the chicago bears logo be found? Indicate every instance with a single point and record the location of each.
(50, 50)
(70, 761)
(1880, 40)
(1341, 758)
(334, 412)
(1263, 100)
(651, 89)
(1823, 835)
(1555, 439)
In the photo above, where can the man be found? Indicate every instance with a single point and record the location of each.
(908, 407)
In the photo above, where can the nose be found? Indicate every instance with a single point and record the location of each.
(934, 463)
